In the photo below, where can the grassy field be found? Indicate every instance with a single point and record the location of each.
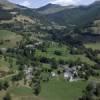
(11, 36)
(4, 66)
(94, 46)
(66, 56)
(5, 63)
(98, 56)
(8, 67)
(53, 90)
(62, 90)
(21, 91)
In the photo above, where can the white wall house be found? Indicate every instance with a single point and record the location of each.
(53, 74)
(28, 73)
(68, 76)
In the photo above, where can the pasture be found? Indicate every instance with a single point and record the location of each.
(9, 39)
(94, 46)
(65, 55)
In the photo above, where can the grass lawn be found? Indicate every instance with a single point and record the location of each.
(11, 36)
(94, 46)
(61, 90)
(21, 91)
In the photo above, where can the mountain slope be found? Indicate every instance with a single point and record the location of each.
(7, 5)
(52, 8)
(82, 15)
(19, 18)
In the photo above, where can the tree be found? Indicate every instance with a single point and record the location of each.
(7, 97)
(54, 63)
(5, 85)
(37, 88)
(98, 90)
(36, 81)
(57, 52)
(92, 92)
(0, 85)
(61, 61)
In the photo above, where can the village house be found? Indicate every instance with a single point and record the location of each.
(71, 74)
(28, 73)
(38, 43)
(53, 74)
(3, 50)
(68, 75)
(30, 46)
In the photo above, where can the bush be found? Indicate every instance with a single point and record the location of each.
(57, 52)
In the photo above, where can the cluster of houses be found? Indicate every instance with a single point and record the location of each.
(70, 73)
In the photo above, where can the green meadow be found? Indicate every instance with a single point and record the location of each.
(9, 39)
(66, 56)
